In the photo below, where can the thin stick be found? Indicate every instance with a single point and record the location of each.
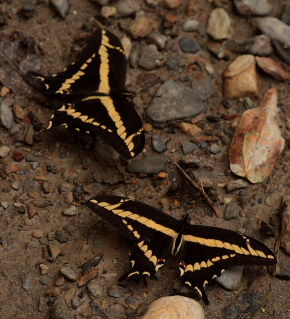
(201, 191)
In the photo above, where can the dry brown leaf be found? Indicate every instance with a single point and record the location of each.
(258, 141)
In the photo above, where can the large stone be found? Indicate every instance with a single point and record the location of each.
(219, 24)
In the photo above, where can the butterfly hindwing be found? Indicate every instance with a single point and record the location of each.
(204, 251)
(215, 249)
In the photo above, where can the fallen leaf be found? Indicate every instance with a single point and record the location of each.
(258, 141)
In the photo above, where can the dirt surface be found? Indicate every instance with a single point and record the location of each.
(29, 225)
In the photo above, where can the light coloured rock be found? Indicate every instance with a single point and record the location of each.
(253, 7)
(107, 11)
(241, 78)
(276, 30)
(175, 307)
(219, 24)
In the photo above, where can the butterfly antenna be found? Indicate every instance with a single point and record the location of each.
(24, 76)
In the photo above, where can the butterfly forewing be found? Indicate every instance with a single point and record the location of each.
(204, 251)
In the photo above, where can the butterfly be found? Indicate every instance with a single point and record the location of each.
(204, 252)
(104, 106)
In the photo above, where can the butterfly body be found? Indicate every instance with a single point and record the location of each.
(204, 251)
(97, 81)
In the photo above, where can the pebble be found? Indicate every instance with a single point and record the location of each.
(115, 291)
(59, 310)
(18, 112)
(127, 45)
(285, 236)
(59, 235)
(217, 48)
(273, 68)
(43, 269)
(102, 2)
(71, 211)
(282, 51)
(107, 12)
(53, 292)
(241, 78)
(4, 151)
(232, 211)
(68, 273)
(275, 29)
(151, 58)
(29, 135)
(259, 45)
(190, 25)
(38, 234)
(173, 63)
(6, 116)
(158, 144)
(26, 284)
(215, 149)
(188, 147)
(172, 4)
(188, 45)
(283, 272)
(16, 185)
(130, 301)
(175, 101)
(11, 168)
(231, 278)
(158, 39)
(219, 24)
(189, 129)
(285, 16)
(148, 165)
(4, 91)
(175, 307)
(30, 157)
(17, 156)
(53, 251)
(254, 7)
(5, 205)
(95, 289)
(65, 187)
(126, 8)
(236, 184)
(140, 27)
(76, 303)
(44, 281)
(61, 7)
(31, 211)
(87, 276)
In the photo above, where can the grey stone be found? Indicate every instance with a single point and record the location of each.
(188, 147)
(232, 211)
(4, 151)
(286, 14)
(275, 29)
(71, 211)
(254, 7)
(65, 187)
(127, 7)
(59, 235)
(150, 58)
(158, 144)
(68, 273)
(76, 303)
(283, 272)
(148, 165)
(202, 85)
(5, 205)
(16, 185)
(115, 291)
(236, 184)
(94, 288)
(61, 7)
(259, 45)
(26, 284)
(175, 101)
(59, 310)
(231, 278)
(6, 116)
(190, 25)
(215, 149)
(172, 62)
(157, 39)
(30, 157)
(188, 45)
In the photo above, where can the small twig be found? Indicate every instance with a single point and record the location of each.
(283, 207)
(201, 191)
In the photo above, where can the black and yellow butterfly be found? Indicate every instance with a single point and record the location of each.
(98, 76)
(204, 251)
